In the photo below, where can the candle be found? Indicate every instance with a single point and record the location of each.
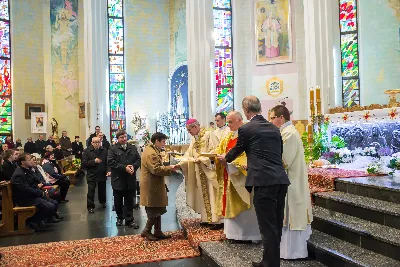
(318, 93)
(309, 130)
(312, 107)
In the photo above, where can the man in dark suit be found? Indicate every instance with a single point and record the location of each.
(77, 148)
(40, 145)
(50, 142)
(65, 143)
(94, 160)
(30, 146)
(262, 142)
(103, 141)
(123, 160)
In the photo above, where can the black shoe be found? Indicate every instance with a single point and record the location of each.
(91, 210)
(36, 226)
(217, 226)
(59, 216)
(257, 264)
(233, 241)
(104, 205)
(204, 224)
(64, 201)
(54, 219)
(120, 222)
(136, 206)
(132, 224)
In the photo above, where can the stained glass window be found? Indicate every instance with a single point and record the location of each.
(5, 72)
(116, 66)
(223, 52)
(349, 52)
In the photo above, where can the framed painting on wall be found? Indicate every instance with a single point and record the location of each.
(82, 110)
(38, 122)
(29, 108)
(273, 36)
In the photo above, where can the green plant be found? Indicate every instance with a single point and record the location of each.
(338, 142)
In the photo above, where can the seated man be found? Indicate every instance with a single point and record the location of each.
(77, 148)
(9, 165)
(51, 167)
(27, 193)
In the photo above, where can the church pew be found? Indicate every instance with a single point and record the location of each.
(7, 225)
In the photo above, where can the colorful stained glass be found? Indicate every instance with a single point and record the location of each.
(116, 60)
(348, 15)
(222, 3)
(5, 39)
(116, 68)
(5, 124)
(349, 51)
(5, 79)
(115, 36)
(3, 139)
(223, 67)
(5, 102)
(5, 111)
(115, 8)
(223, 27)
(4, 9)
(117, 104)
(349, 47)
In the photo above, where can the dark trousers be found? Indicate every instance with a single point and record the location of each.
(101, 193)
(64, 184)
(123, 202)
(269, 203)
(44, 210)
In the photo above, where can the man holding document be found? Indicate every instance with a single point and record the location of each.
(199, 170)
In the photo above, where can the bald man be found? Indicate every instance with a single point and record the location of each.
(234, 201)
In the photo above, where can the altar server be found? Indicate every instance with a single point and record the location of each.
(222, 130)
(234, 201)
(298, 214)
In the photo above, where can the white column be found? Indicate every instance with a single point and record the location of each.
(96, 65)
(199, 25)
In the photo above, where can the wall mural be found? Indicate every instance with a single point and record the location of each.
(178, 37)
(64, 59)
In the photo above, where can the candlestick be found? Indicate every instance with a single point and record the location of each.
(310, 131)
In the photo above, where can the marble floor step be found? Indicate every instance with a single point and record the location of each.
(334, 252)
(370, 209)
(225, 254)
(385, 188)
(372, 236)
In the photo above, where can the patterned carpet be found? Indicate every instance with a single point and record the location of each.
(196, 233)
(110, 251)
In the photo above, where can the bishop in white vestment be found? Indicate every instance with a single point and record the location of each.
(200, 176)
(298, 213)
(234, 201)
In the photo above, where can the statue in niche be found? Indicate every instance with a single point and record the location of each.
(376, 139)
(54, 128)
(356, 138)
(395, 141)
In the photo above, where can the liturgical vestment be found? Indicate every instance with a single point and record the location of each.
(222, 132)
(298, 213)
(200, 178)
(234, 201)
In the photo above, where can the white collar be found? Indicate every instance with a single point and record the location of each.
(222, 128)
(286, 124)
(235, 134)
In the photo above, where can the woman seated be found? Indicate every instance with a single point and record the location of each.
(51, 167)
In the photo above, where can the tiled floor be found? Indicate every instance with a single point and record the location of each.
(78, 224)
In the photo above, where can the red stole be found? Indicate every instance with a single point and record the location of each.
(231, 144)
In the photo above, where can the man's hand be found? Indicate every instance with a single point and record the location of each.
(221, 159)
(129, 169)
(108, 174)
(97, 160)
(175, 167)
(47, 193)
(40, 185)
(196, 161)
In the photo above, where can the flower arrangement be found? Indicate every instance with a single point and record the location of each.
(146, 137)
(371, 152)
(394, 163)
(138, 123)
(375, 167)
(337, 156)
(76, 164)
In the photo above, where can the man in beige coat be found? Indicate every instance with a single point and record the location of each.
(153, 191)
(298, 214)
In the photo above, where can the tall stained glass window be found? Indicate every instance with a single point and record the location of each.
(349, 51)
(5, 72)
(116, 65)
(222, 10)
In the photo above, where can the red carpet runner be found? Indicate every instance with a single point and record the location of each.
(112, 251)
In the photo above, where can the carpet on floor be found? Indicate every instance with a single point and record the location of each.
(323, 180)
(111, 251)
(197, 233)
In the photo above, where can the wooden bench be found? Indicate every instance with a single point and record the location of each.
(7, 225)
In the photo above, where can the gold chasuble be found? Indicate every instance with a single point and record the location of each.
(200, 178)
(233, 198)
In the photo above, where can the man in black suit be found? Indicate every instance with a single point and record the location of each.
(50, 142)
(30, 146)
(77, 148)
(262, 142)
(123, 160)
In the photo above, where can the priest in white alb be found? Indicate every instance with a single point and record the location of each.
(234, 201)
(200, 176)
(221, 130)
(298, 213)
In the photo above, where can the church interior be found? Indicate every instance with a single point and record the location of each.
(87, 86)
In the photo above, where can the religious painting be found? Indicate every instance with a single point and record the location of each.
(38, 122)
(29, 108)
(273, 32)
(274, 86)
(267, 105)
(82, 111)
(178, 94)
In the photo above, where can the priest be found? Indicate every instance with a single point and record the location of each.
(222, 130)
(234, 201)
(200, 177)
(298, 214)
